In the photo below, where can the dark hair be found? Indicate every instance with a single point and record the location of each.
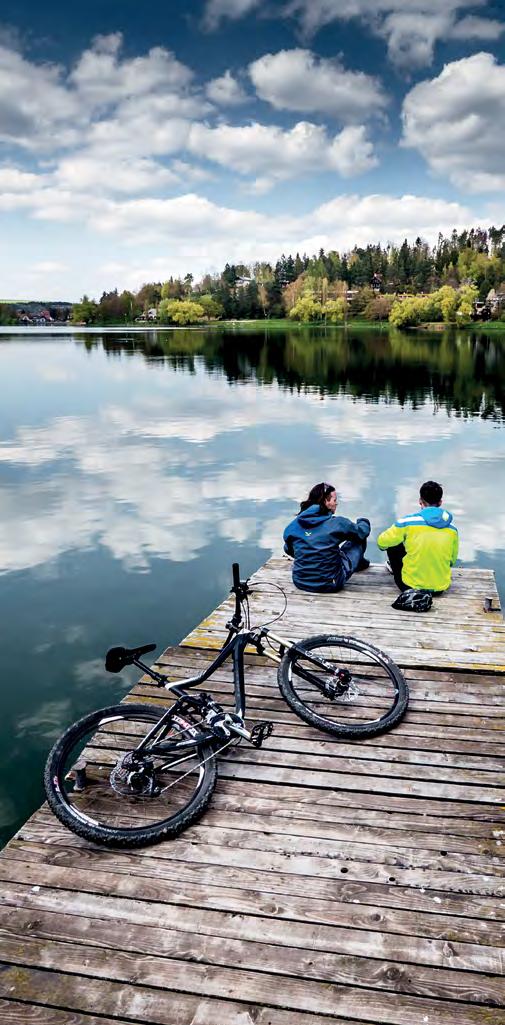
(431, 492)
(316, 496)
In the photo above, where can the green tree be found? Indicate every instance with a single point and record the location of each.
(84, 312)
(447, 300)
(467, 296)
(148, 296)
(408, 312)
(180, 311)
(7, 314)
(306, 309)
(211, 307)
(335, 310)
(172, 289)
(360, 301)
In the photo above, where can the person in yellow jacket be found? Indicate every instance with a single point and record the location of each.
(422, 547)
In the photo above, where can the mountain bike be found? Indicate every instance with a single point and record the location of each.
(134, 774)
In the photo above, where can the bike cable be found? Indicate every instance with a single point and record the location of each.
(271, 583)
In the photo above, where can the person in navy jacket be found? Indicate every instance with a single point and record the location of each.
(327, 549)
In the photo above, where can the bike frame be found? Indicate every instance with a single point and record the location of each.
(234, 648)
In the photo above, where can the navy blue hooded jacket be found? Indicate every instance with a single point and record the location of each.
(313, 539)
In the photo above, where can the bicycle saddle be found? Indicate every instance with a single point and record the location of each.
(117, 658)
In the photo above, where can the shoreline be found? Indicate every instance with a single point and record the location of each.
(436, 327)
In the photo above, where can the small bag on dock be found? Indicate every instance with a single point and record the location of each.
(413, 601)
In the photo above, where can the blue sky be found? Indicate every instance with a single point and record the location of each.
(141, 141)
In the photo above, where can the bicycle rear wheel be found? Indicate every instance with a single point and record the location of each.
(97, 791)
(374, 694)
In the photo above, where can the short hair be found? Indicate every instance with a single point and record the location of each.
(431, 492)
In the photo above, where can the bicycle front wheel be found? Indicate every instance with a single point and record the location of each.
(96, 790)
(343, 686)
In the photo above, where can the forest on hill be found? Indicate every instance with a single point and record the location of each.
(455, 277)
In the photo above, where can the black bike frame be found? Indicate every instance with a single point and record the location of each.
(233, 647)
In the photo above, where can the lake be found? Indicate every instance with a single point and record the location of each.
(135, 467)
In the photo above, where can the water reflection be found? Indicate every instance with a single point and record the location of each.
(463, 372)
(159, 462)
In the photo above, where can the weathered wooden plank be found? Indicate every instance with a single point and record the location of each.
(354, 861)
(179, 1008)
(328, 881)
(58, 915)
(14, 1013)
(456, 632)
(148, 1005)
(188, 901)
(271, 889)
(308, 981)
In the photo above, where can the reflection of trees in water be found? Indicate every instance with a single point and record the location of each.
(460, 371)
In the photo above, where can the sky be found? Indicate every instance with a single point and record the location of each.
(139, 142)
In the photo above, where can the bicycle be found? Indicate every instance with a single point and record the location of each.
(134, 774)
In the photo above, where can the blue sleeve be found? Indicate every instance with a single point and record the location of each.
(359, 529)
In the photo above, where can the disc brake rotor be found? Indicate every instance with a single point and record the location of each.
(133, 778)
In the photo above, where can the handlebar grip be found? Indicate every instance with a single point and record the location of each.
(236, 575)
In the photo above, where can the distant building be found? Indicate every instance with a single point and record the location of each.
(40, 313)
(244, 282)
(495, 299)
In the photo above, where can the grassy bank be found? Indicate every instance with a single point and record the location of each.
(285, 324)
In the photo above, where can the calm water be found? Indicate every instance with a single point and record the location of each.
(135, 468)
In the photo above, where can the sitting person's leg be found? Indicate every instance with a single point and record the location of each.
(395, 556)
(352, 556)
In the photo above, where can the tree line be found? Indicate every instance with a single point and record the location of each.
(362, 283)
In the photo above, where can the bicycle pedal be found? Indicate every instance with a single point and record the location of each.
(261, 732)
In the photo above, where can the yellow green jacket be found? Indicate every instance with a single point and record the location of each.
(431, 545)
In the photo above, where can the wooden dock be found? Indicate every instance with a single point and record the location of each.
(328, 882)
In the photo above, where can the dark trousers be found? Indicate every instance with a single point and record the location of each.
(351, 553)
(396, 556)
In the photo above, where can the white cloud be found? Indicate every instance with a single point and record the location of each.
(14, 180)
(273, 154)
(299, 80)
(457, 122)
(472, 27)
(104, 98)
(225, 91)
(216, 10)
(91, 170)
(101, 77)
(34, 104)
(140, 129)
(190, 231)
(411, 28)
(353, 218)
(411, 35)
